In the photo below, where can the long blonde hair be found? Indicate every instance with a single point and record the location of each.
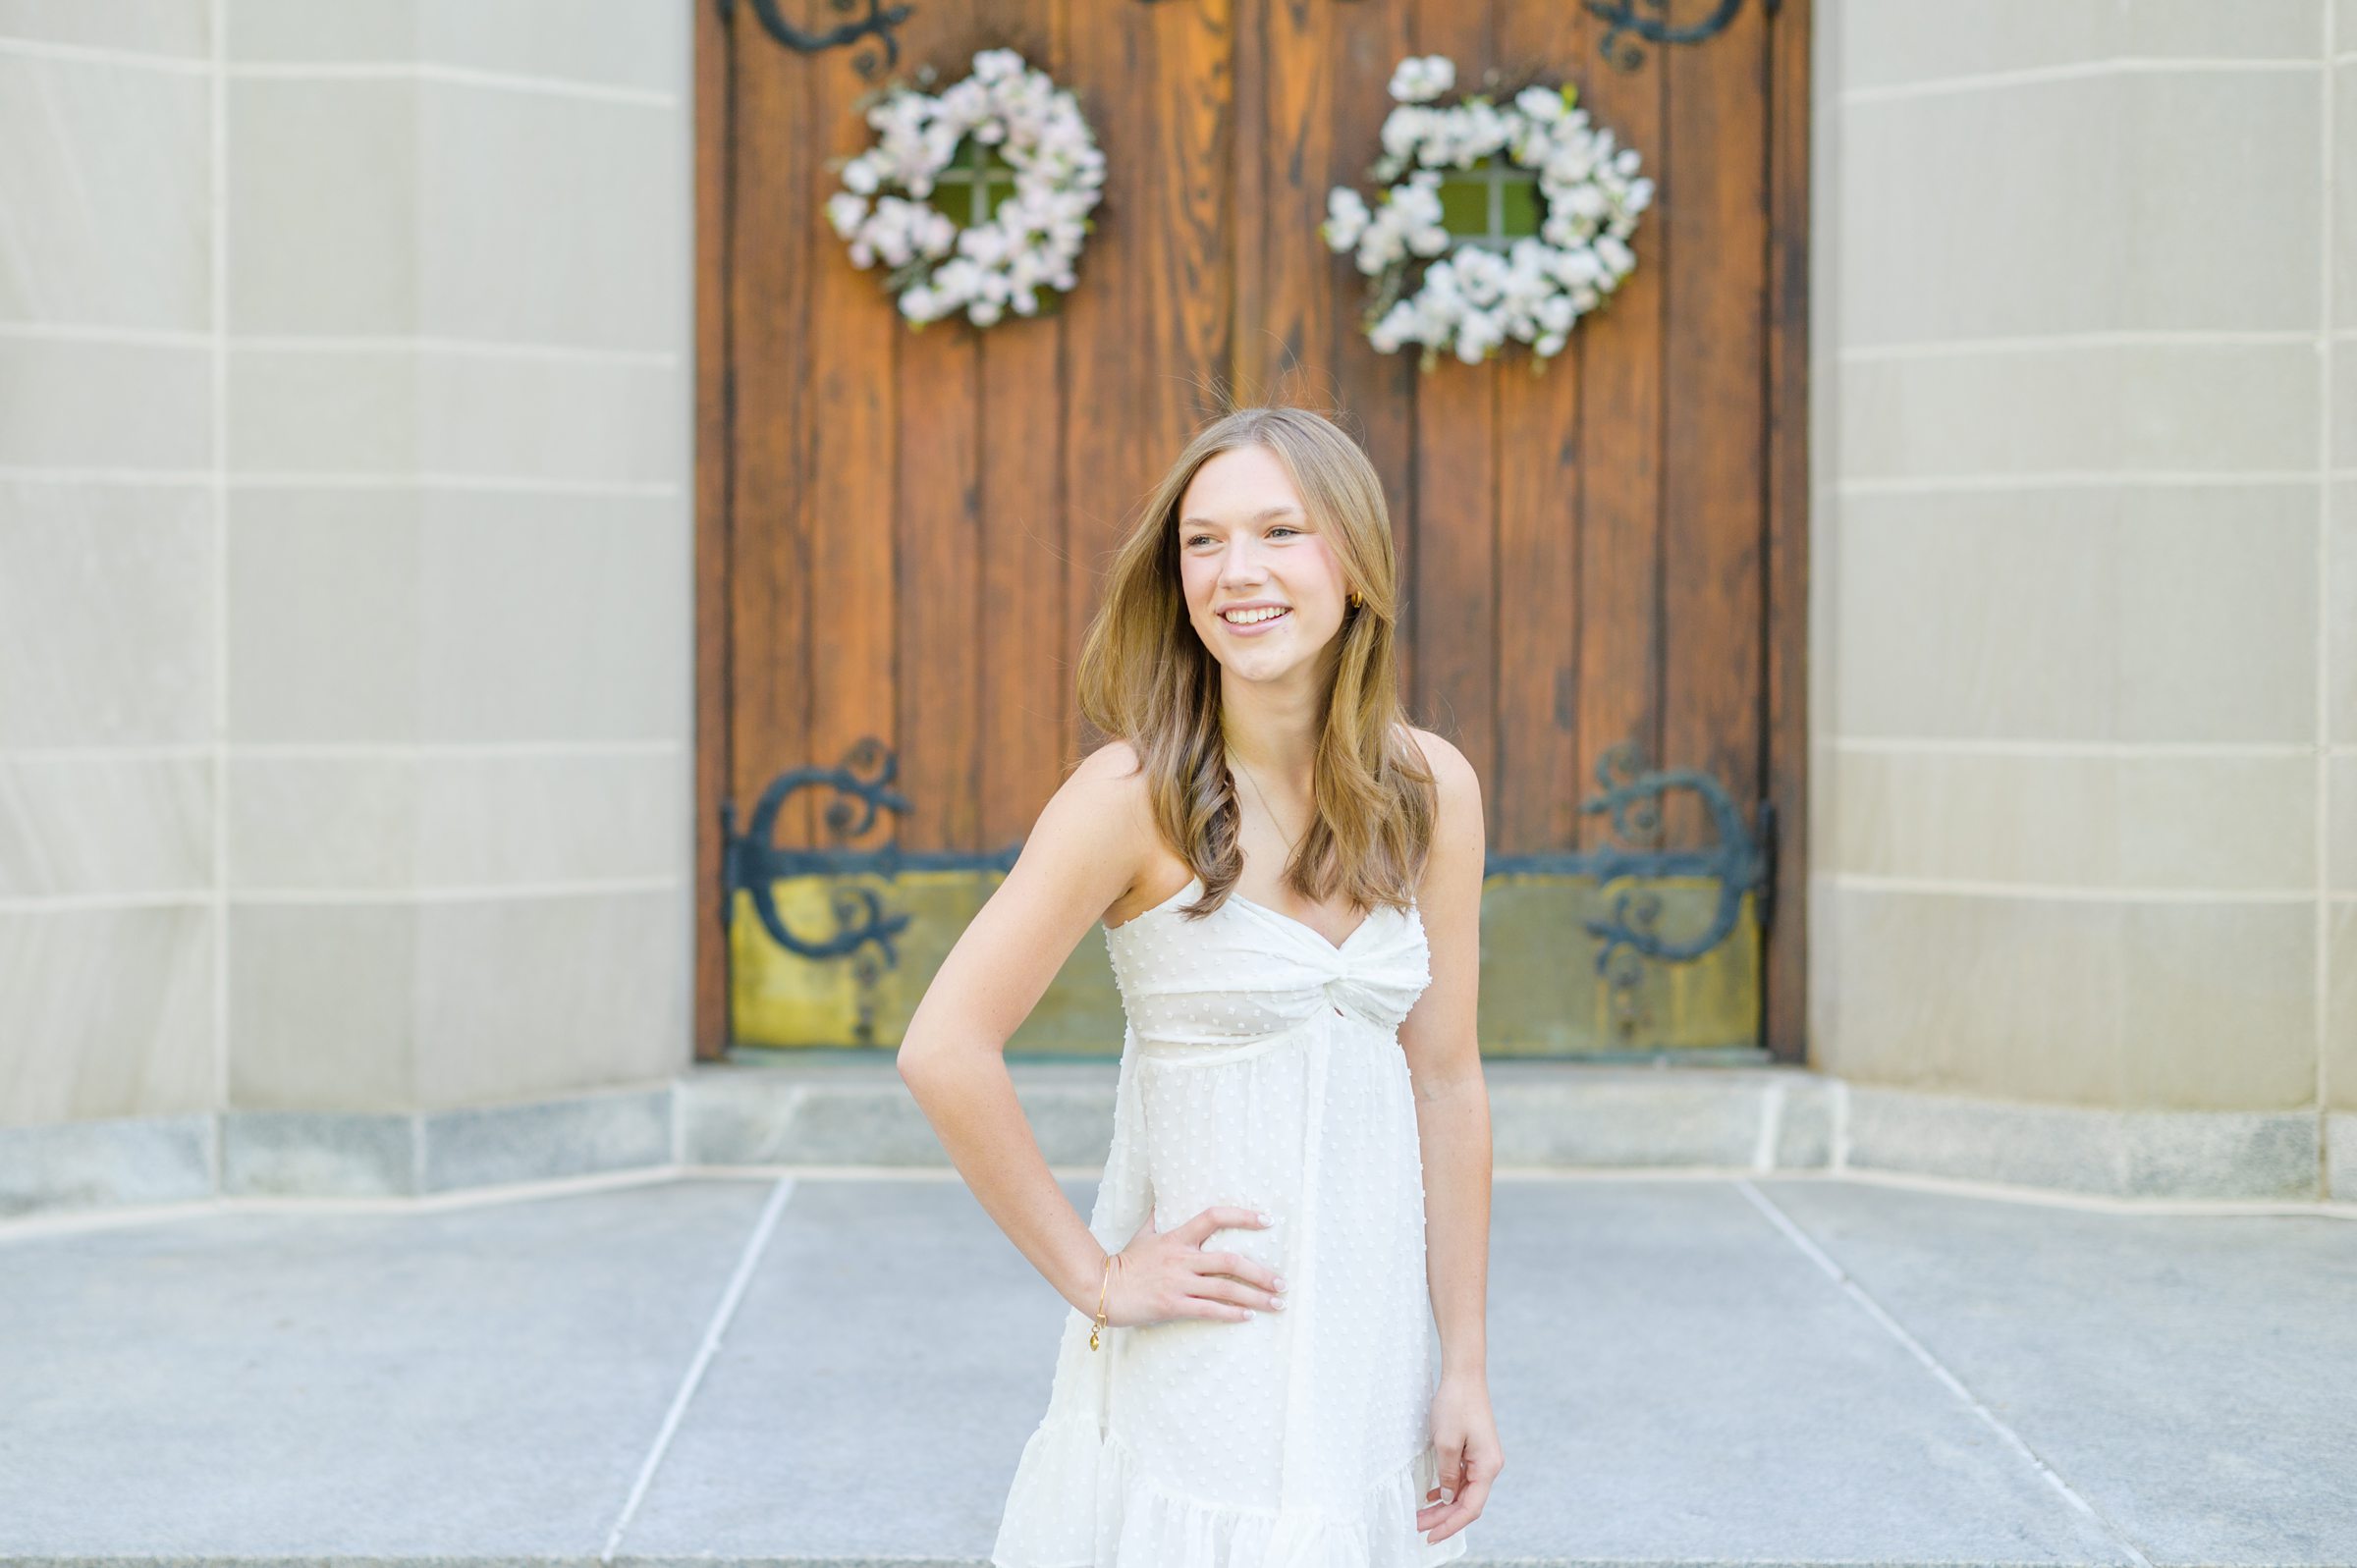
(1146, 678)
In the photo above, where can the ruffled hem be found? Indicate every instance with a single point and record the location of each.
(1137, 1523)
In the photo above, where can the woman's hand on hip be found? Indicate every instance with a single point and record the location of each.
(1167, 1274)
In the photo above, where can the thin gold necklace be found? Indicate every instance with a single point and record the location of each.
(1291, 843)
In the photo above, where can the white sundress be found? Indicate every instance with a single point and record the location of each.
(1261, 1066)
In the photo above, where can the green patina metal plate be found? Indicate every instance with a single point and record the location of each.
(781, 999)
(1542, 997)
(1541, 994)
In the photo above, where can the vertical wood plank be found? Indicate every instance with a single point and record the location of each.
(1189, 263)
(1713, 674)
(714, 142)
(1148, 348)
(1618, 347)
(1539, 466)
(1027, 685)
(1456, 486)
(772, 197)
(937, 552)
(849, 500)
(1784, 1024)
(1374, 393)
(1113, 69)
(1254, 184)
(939, 557)
(1285, 164)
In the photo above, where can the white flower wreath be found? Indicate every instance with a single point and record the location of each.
(1019, 132)
(1476, 297)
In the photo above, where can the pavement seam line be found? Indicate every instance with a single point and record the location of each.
(754, 1246)
(1955, 1384)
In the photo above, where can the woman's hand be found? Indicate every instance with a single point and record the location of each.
(1466, 1437)
(1162, 1274)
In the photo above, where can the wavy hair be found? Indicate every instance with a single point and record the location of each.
(1146, 678)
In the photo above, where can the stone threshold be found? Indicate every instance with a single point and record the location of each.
(849, 1109)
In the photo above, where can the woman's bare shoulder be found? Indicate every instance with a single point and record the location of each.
(1123, 795)
(1449, 766)
(1104, 801)
(1116, 759)
(1113, 779)
(1456, 788)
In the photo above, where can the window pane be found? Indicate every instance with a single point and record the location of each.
(1521, 206)
(952, 189)
(1465, 206)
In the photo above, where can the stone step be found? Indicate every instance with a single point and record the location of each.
(849, 1109)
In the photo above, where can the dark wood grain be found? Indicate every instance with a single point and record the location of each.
(769, 280)
(1714, 489)
(1025, 676)
(1112, 67)
(937, 554)
(1617, 349)
(1189, 272)
(850, 498)
(1375, 394)
(1456, 484)
(1783, 1027)
(1536, 790)
(1285, 297)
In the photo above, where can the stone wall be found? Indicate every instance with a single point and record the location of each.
(2085, 555)
(344, 554)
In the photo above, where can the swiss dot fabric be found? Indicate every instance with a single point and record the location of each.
(1261, 1069)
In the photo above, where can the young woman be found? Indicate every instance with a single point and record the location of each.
(1298, 1186)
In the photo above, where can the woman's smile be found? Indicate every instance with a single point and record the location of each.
(1250, 620)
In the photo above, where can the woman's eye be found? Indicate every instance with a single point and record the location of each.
(1193, 540)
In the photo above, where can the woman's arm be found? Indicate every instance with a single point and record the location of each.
(1452, 1126)
(1081, 856)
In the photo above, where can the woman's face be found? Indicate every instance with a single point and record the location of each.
(1248, 550)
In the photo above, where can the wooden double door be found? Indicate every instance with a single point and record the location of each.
(900, 532)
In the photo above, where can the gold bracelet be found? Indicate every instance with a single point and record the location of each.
(1101, 1293)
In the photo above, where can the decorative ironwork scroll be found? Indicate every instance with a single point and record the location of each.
(1622, 16)
(1734, 860)
(752, 861)
(1737, 861)
(877, 24)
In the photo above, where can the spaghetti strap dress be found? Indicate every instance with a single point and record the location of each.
(1261, 1066)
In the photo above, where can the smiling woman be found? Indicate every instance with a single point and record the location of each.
(1273, 571)
(1289, 879)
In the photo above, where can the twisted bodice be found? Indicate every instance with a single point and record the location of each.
(1245, 976)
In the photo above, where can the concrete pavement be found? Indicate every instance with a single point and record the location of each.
(840, 1369)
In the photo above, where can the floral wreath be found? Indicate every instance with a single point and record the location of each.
(1476, 297)
(1005, 126)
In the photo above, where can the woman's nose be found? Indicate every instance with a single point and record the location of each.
(1240, 562)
